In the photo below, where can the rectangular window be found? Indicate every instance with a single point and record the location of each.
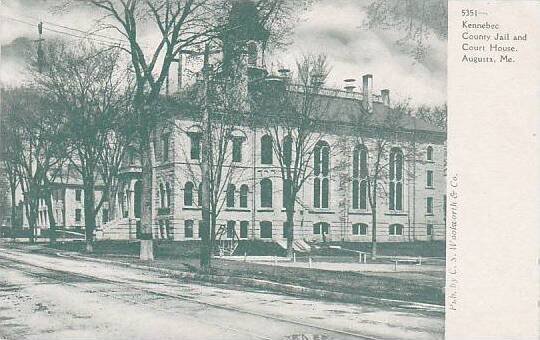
(266, 229)
(105, 216)
(78, 215)
(230, 229)
(429, 178)
(429, 205)
(317, 229)
(165, 143)
(429, 230)
(244, 229)
(395, 229)
(285, 229)
(195, 151)
(78, 195)
(359, 229)
(188, 229)
(237, 149)
(169, 230)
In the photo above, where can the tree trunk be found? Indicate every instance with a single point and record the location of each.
(206, 152)
(89, 212)
(290, 231)
(13, 191)
(374, 232)
(52, 220)
(147, 161)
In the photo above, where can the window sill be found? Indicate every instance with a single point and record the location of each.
(238, 209)
(430, 214)
(191, 208)
(430, 187)
(265, 210)
(321, 211)
(359, 212)
(396, 213)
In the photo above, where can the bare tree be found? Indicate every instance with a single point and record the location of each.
(416, 20)
(88, 87)
(33, 147)
(296, 115)
(435, 115)
(379, 168)
(182, 26)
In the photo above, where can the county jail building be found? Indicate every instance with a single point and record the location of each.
(333, 203)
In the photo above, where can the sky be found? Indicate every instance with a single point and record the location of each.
(332, 27)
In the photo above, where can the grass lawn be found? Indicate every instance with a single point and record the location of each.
(426, 287)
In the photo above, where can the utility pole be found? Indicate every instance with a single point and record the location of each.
(40, 54)
(205, 167)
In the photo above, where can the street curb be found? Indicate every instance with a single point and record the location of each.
(271, 286)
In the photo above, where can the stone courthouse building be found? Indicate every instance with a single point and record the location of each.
(332, 204)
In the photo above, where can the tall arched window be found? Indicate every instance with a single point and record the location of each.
(266, 193)
(231, 190)
(396, 180)
(199, 195)
(188, 194)
(168, 194)
(429, 153)
(266, 150)
(161, 195)
(360, 172)
(287, 150)
(321, 171)
(244, 196)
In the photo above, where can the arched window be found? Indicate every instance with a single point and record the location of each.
(360, 172)
(252, 53)
(359, 229)
(396, 180)
(321, 227)
(199, 195)
(429, 153)
(321, 171)
(168, 194)
(266, 193)
(161, 196)
(231, 190)
(244, 196)
(266, 150)
(287, 150)
(395, 229)
(188, 194)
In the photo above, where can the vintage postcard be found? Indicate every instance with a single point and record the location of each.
(269, 169)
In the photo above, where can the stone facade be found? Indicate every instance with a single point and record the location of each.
(177, 217)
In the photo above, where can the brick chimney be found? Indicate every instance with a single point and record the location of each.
(367, 91)
(385, 97)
